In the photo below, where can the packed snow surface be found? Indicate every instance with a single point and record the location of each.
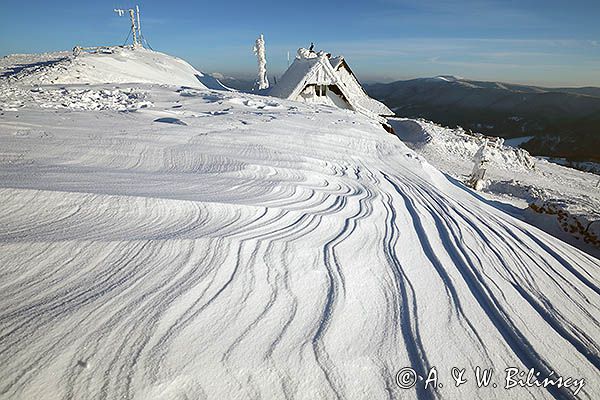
(265, 249)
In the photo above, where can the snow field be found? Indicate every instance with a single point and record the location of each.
(265, 249)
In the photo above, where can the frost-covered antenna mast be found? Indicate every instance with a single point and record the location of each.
(139, 26)
(259, 50)
(135, 29)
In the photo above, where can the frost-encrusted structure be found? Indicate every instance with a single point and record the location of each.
(479, 167)
(322, 79)
(259, 50)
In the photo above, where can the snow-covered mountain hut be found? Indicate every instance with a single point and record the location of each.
(319, 78)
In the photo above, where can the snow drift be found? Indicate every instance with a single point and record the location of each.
(562, 201)
(266, 249)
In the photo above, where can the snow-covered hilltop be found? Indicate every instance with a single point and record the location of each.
(106, 65)
(49, 79)
(219, 245)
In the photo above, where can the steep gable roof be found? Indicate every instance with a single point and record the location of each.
(358, 97)
(318, 68)
(306, 69)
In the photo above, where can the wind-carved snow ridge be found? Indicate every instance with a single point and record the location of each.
(266, 249)
(460, 144)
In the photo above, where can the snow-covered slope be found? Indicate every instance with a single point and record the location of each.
(224, 246)
(110, 65)
(562, 201)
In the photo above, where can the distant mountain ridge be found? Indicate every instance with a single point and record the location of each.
(565, 122)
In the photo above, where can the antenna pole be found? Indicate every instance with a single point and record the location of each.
(139, 27)
(136, 30)
(133, 28)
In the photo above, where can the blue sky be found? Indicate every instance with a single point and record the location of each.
(550, 42)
